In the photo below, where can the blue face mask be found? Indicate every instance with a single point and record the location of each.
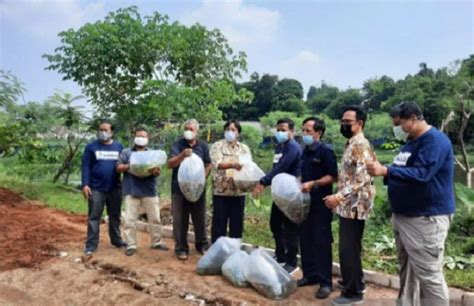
(308, 139)
(281, 136)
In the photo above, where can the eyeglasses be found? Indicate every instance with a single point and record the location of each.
(347, 121)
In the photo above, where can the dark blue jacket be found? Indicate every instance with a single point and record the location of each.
(420, 180)
(318, 160)
(287, 159)
(98, 166)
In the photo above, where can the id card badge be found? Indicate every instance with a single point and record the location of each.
(277, 157)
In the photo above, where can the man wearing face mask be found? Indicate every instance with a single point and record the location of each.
(101, 186)
(420, 190)
(180, 206)
(353, 203)
(228, 202)
(318, 172)
(140, 194)
(287, 159)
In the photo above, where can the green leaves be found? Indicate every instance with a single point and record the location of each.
(126, 62)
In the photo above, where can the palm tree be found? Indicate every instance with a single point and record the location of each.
(71, 116)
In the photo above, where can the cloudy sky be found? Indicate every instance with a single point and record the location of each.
(340, 42)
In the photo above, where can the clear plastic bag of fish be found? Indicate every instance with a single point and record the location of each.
(248, 177)
(192, 177)
(287, 195)
(143, 161)
(232, 269)
(267, 276)
(211, 262)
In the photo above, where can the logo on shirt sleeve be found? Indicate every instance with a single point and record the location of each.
(106, 155)
(401, 159)
(277, 157)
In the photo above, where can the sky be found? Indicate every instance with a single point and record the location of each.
(342, 43)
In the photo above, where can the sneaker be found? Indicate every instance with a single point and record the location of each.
(160, 247)
(88, 253)
(290, 269)
(323, 292)
(345, 300)
(130, 252)
(340, 286)
(182, 256)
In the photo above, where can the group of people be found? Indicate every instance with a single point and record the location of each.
(420, 190)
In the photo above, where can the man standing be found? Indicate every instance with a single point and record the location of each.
(101, 186)
(353, 202)
(287, 159)
(180, 206)
(140, 194)
(420, 190)
(318, 172)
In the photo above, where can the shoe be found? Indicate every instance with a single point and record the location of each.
(323, 292)
(346, 300)
(280, 262)
(290, 269)
(203, 249)
(340, 286)
(302, 282)
(88, 252)
(130, 252)
(182, 256)
(160, 247)
(120, 245)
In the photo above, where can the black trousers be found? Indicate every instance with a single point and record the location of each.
(227, 211)
(350, 249)
(181, 209)
(285, 233)
(112, 200)
(315, 237)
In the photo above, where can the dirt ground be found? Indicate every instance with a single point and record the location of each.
(41, 264)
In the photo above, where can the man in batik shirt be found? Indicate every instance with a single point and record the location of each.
(353, 203)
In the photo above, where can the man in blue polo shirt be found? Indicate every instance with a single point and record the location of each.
(287, 159)
(318, 172)
(420, 190)
(101, 186)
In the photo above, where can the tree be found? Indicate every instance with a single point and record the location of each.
(376, 91)
(345, 98)
(311, 92)
(163, 69)
(284, 91)
(324, 95)
(71, 117)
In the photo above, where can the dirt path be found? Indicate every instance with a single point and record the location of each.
(41, 264)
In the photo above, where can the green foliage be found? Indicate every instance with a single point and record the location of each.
(132, 66)
(345, 98)
(390, 146)
(321, 98)
(378, 126)
(458, 262)
(251, 136)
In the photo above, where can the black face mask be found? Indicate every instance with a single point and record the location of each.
(346, 130)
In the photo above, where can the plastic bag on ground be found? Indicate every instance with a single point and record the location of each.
(192, 177)
(141, 162)
(267, 276)
(248, 177)
(212, 261)
(287, 195)
(233, 269)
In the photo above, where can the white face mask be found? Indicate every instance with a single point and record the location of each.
(188, 135)
(400, 133)
(230, 136)
(141, 141)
